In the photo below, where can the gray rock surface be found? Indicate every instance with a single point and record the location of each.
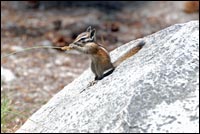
(157, 90)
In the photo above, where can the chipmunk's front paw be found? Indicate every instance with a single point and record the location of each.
(92, 83)
(66, 48)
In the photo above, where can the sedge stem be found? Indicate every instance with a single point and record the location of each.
(26, 49)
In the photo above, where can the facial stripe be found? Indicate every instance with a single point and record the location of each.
(81, 38)
(88, 40)
(83, 35)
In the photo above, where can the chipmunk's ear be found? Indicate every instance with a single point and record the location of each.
(89, 29)
(93, 34)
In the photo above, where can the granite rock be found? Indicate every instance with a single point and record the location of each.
(156, 90)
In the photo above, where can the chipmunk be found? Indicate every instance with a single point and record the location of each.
(101, 64)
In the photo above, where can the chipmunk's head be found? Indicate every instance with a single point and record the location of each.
(85, 37)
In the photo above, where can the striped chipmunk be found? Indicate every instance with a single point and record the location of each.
(101, 64)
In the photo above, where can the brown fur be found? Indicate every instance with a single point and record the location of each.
(100, 62)
(128, 54)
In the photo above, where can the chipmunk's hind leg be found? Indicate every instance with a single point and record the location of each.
(98, 78)
(108, 72)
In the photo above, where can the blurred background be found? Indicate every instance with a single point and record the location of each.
(30, 79)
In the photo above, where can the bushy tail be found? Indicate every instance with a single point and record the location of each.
(130, 53)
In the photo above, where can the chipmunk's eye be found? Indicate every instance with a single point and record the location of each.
(82, 39)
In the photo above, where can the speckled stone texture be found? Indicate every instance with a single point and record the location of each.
(157, 90)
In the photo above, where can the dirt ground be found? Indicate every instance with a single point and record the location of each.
(41, 73)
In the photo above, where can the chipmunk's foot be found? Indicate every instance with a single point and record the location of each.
(90, 84)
